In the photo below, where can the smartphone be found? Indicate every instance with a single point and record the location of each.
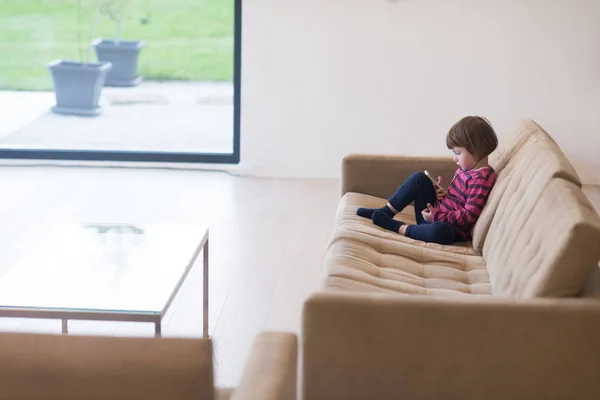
(433, 180)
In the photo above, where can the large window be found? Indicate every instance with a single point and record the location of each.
(120, 80)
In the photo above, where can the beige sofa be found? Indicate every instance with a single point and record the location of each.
(512, 314)
(36, 366)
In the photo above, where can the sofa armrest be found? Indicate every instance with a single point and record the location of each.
(384, 347)
(380, 175)
(271, 370)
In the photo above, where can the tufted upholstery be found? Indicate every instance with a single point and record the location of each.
(525, 161)
(546, 246)
(363, 257)
(537, 236)
(525, 131)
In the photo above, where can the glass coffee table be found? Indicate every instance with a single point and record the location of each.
(105, 272)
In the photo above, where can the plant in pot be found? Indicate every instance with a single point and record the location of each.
(122, 54)
(78, 84)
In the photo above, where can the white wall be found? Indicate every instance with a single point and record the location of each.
(323, 78)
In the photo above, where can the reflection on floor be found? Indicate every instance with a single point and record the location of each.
(171, 116)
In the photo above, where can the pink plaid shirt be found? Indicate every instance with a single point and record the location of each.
(466, 198)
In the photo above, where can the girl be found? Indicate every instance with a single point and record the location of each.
(454, 211)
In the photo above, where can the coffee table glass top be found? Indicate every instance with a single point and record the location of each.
(103, 267)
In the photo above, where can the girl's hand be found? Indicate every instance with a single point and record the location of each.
(426, 213)
(440, 193)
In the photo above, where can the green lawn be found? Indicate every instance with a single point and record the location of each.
(185, 39)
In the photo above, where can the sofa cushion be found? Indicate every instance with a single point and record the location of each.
(364, 257)
(543, 246)
(523, 166)
(346, 213)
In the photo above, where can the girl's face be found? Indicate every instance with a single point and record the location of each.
(463, 158)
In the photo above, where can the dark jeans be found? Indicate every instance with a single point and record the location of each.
(418, 188)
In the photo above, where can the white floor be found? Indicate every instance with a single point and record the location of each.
(268, 239)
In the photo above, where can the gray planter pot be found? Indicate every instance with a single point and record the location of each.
(123, 55)
(78, 86)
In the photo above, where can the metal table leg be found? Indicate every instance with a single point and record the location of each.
(205, 291)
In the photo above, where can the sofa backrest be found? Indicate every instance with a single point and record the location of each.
(525, 131)
(369, 346)
(538, 231)
(543, 247)
(526, 159)
(38, 366)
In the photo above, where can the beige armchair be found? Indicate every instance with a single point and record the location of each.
(36, 366)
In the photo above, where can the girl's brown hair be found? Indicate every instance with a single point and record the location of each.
(474, 134)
